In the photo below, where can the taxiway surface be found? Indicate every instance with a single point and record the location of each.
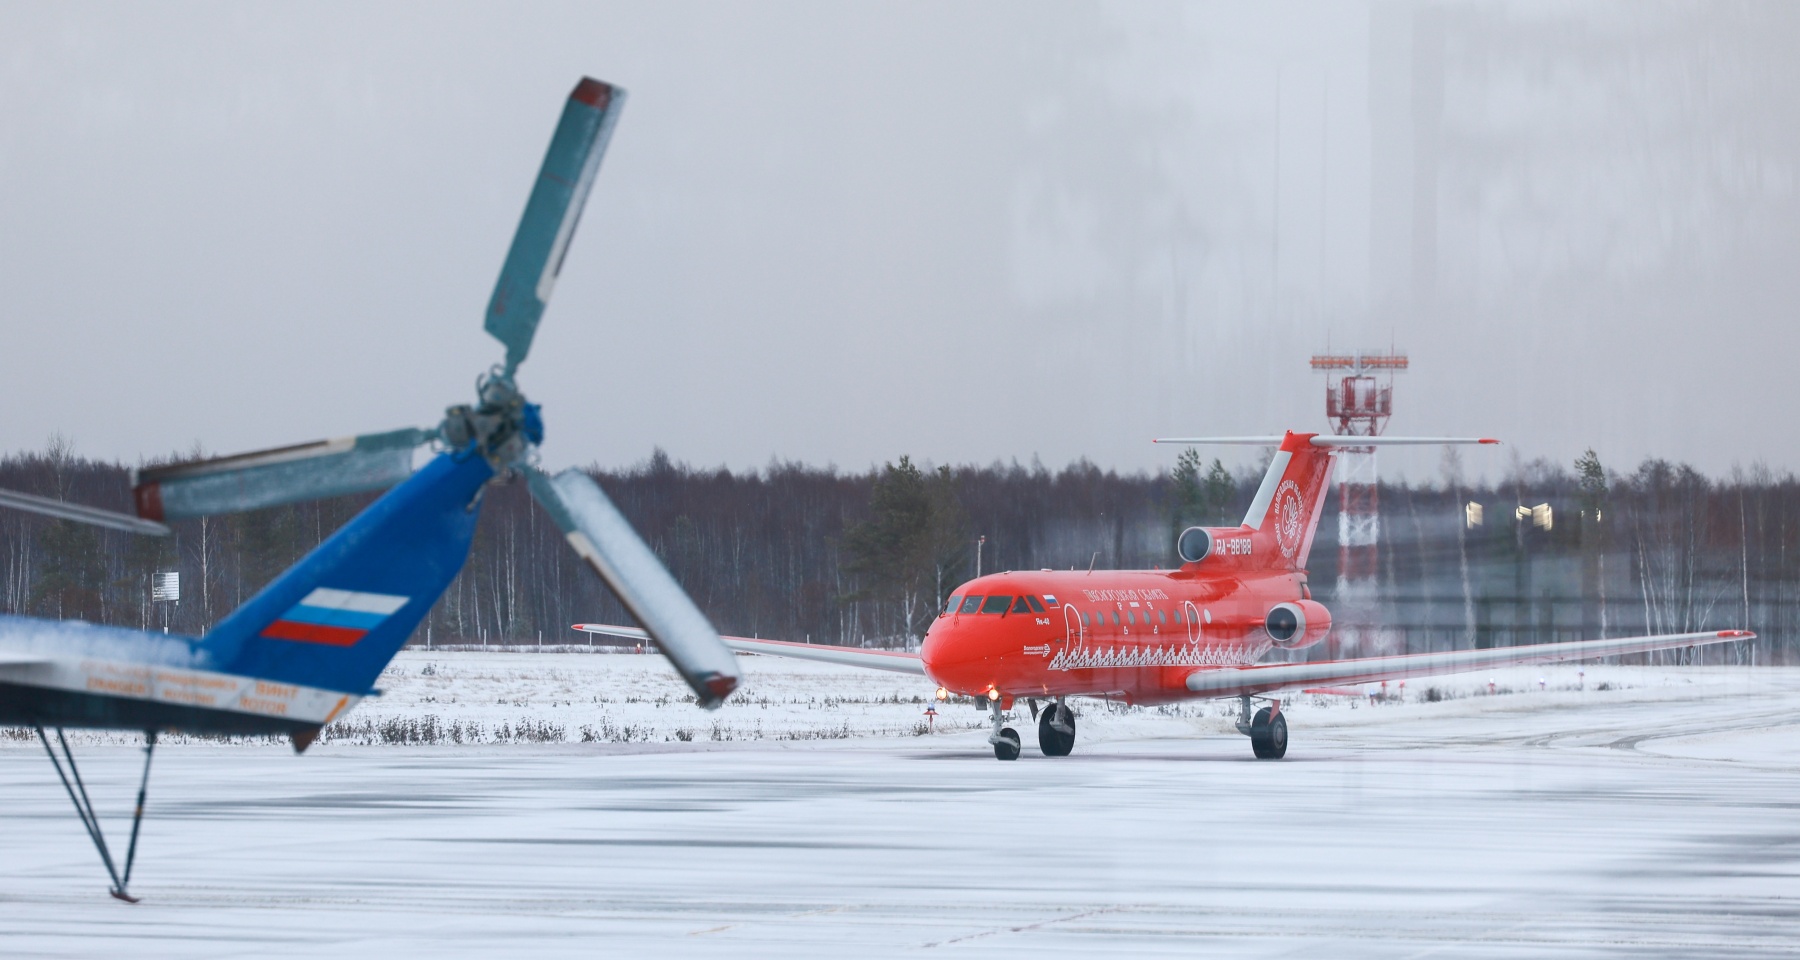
(1640, 827)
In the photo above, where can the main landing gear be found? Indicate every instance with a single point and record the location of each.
(1267, 729)
(1056, 730)
(84, 808)
(1005, 739)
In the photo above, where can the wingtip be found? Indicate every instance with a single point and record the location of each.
(1737, 634)
(1488, 440)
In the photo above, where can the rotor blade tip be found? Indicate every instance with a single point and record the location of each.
(720, 686)
(593, 93)
(148, 500)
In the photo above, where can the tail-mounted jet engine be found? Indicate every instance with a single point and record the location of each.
(1300, 623)
(1194, 545)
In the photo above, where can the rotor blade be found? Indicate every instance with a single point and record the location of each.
(601, 535)
(267, 478)
(551, 214)
(62, 509)
(1333, 440)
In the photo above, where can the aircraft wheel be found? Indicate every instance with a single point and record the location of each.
(1268, 735)
(1007, 747)
(1054, 742)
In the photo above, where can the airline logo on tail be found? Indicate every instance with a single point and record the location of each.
(1289, 514)
(335, 618)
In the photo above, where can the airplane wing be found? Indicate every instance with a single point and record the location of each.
(1266, 678)
(893, 661)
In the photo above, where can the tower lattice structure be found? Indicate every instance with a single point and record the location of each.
(1359, 399)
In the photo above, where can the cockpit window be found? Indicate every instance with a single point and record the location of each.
(955, 601)
(996, 604)
(970, 605)
(1019, 605)
(1036, 607)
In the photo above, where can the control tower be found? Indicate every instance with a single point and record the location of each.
(1359, 399)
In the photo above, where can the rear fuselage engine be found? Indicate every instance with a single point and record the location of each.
(1297, 623)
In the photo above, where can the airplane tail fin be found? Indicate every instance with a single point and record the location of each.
(1285, 511)
(335, 619)
(1284, 516)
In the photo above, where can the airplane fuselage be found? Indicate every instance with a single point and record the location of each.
(1134, 635)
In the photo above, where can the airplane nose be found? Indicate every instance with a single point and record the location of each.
(945, 653)
(932, 651)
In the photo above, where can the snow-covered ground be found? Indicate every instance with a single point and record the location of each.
(1654, 817)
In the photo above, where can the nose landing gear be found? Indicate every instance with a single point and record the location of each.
(1005, 739)
(1056, 730)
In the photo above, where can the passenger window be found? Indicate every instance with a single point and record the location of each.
(972, 604)
(1019, 606)
(996, 604)
(1130, 617)
(1087, 620)
(1162, 617)
(1115, 618)
(955, 601)
(1036, 607)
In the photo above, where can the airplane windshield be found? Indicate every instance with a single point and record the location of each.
(970, 605)
(1019, 605)
(996, 604)
(953, 603)
(1036, 607)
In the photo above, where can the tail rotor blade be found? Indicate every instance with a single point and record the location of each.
(601, 535)
(551, 215)
(64, 510)
(267, 478)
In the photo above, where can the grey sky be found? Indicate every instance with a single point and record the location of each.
(843, 232)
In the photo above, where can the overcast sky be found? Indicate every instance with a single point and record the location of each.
(837, 233)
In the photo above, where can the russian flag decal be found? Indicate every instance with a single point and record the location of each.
(336, 618)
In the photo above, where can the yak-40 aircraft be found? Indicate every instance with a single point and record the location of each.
(310, 645)
(1154, 636)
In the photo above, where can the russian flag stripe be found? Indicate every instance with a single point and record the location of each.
(326, 617)
(337, 618)
(382, 603)
(313, 633)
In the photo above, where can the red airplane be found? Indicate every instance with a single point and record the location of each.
(1161, 636)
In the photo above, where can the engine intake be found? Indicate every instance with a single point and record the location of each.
(1297, 624)
(1194, 545)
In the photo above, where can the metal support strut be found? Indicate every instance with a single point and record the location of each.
(1246, 715)
(84, 808)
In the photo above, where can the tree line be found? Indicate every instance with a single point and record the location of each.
(867, 558)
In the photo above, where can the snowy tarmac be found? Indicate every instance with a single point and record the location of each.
(1658, 819)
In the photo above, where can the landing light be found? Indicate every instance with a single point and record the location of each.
(993, 694)
(943, 694)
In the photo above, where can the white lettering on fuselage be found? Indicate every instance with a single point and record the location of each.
(1236, 546)
(1099, 595)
